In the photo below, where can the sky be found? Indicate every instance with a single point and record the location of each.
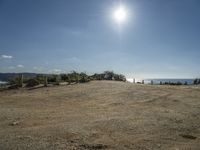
(159, 39)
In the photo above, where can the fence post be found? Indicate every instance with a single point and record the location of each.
(21, 80)
(57, 80)
(69, 79)
(142, 81)
(134, 80)
(45, 81)
(77, 78)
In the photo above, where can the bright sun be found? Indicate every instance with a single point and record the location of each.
(120, 14)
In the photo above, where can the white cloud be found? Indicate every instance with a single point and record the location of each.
(6, 56)
(20, 66)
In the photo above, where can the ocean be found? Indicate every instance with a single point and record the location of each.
(157, 81)
(148, 81)
(3, 82)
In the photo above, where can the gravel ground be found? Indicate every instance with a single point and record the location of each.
(101, 115)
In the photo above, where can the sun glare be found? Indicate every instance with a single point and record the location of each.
(120, 14)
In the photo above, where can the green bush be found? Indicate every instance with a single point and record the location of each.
(84, 78)
(64, 77)
(108, 75)
(40, 78)
(196, 81)
(15, 81)
(32, 83)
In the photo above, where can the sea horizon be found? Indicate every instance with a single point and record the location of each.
(148, 80)
(163, 80)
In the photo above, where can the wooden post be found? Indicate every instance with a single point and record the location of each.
(69, 79)
(134, 80)
(57, 80)
(142, 81)
(21, 80)
(77, 78)
(45, 81)
(151, 82)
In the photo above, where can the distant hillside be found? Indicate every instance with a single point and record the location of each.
(7, 76)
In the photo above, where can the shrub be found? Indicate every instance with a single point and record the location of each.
(119, 77)
(52, 78)
(40, 78)
(196, 81)
(108, 75)
(178, 83)
(32, 83)
(14, 81)
(64, 77)
(14, 86)
(84, 78)
(69, 79)
(73, 76)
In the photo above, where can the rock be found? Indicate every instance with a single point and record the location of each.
(159, 145)
(95, 146)
(187, 136)
(15, 123)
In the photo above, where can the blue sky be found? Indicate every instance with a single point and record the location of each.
(160, 38)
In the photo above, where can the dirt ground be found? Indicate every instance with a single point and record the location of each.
(101, 115)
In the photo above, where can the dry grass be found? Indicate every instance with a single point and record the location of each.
(101, 115)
